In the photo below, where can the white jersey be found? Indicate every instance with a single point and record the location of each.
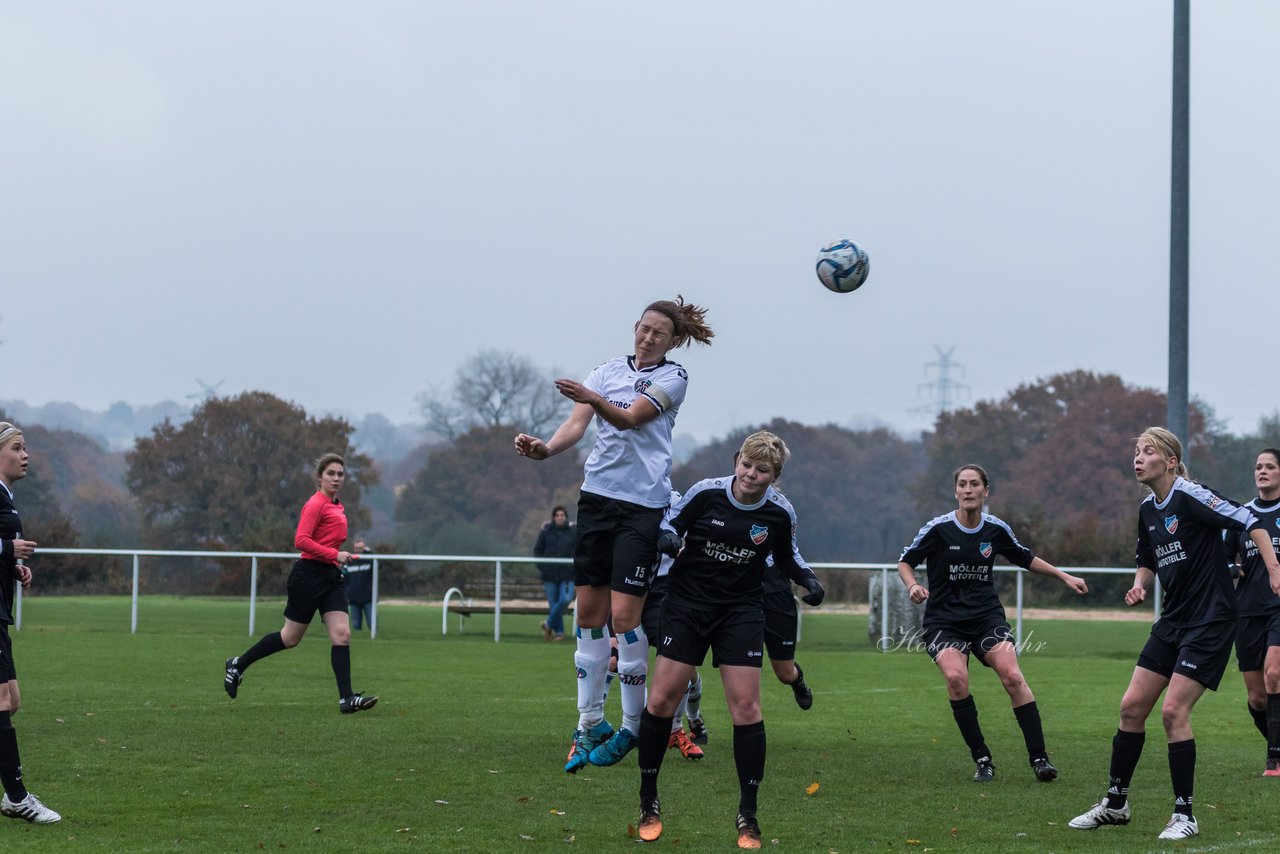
(635, 465)
(665, 561)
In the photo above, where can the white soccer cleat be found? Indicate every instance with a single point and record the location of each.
(1180, 827)
(28, 809)
(1100, 814)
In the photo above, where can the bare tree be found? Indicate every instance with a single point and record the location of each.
(494, 388)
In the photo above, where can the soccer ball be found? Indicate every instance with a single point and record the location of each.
(843, 266)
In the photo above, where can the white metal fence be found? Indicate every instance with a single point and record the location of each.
(887, 573)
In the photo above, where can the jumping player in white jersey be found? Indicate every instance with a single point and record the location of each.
(1179, 540)
(626, 487)
(1258, 632)
(963, 614)
(730, 526)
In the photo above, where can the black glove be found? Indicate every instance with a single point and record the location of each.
(669, 543)
(816, 592)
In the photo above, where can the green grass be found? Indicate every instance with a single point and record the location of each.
(132, 739)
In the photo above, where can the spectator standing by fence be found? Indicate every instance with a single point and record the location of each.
(357, 575)
(556, 539)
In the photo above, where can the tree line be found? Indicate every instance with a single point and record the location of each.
(233, 477)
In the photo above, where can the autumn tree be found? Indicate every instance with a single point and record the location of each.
(237, 473)
(495, 388)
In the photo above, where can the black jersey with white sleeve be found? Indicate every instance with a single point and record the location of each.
(960, 563)
(635, 465)
(726, 544)
(1180, 540)
(1253, 592)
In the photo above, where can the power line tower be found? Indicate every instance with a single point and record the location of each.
(943, 390)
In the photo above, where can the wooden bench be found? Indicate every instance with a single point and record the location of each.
(518, 597)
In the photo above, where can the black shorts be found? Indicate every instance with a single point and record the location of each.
(617, 544)
(314, 586)
(780, 625)
(970, 636)
(651, 616)
(734, 634)
(1254, 635)
(8, 671)
(1200, 652)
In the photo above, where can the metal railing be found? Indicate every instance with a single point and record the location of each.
(886, 573)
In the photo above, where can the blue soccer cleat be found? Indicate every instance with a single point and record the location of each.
(612, 751)
(585, 741)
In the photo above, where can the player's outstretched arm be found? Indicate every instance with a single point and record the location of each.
(1043, 567)
(566, 436)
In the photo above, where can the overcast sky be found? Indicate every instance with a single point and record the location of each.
(339, 203)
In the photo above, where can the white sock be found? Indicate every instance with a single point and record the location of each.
(693, 698)
(592, 662)
(677, 720)
(633, 667)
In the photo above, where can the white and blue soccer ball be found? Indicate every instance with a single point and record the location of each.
(843, 266)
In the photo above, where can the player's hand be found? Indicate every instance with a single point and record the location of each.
(531, 447)
(23, 549)
(1076, 583)
(1135, 596)
(1275, 581)
(669, 543)
(344, 558)
(575, 391)
(23, 573)
(816, 592)
(918, 593)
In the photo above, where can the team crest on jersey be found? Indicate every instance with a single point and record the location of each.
(984, 549)
(1213, 501)
(1171, 524)
(759, 534)
(642, 384)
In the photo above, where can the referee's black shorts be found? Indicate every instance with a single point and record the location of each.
(617, 544)
(8, 671)
(314, 586)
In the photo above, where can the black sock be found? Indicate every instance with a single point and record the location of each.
(266, 645)
(1028, 716)
(1126, 750)
(1273, 727)
(1182, 772)
(1259, 719)
(748, 757)
(654, 734)
(966, 714)
(10, 763)
(340, 658)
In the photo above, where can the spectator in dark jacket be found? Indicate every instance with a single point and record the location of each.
(556, 539)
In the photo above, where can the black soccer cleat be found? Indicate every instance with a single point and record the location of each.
(748, 831)
(1043, 769)
(804, 696)
(356, 703)
(986, 771)
(650, 826)
(234, 675)
(698, 730)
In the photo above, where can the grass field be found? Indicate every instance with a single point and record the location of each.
(131, 738)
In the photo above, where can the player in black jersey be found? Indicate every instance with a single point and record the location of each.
(1180, 541)
(1258, 631)
(963, 614)
(730, 526)
(16, 802)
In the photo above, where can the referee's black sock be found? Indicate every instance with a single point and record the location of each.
(1126, 750)
(748, 757)
(1182, 772)
(1273, 726)
(1259, 719)
(10, 763)
(966, 714)
(340, 658)
(1028, 716)
(654, 734)
(266, 645)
